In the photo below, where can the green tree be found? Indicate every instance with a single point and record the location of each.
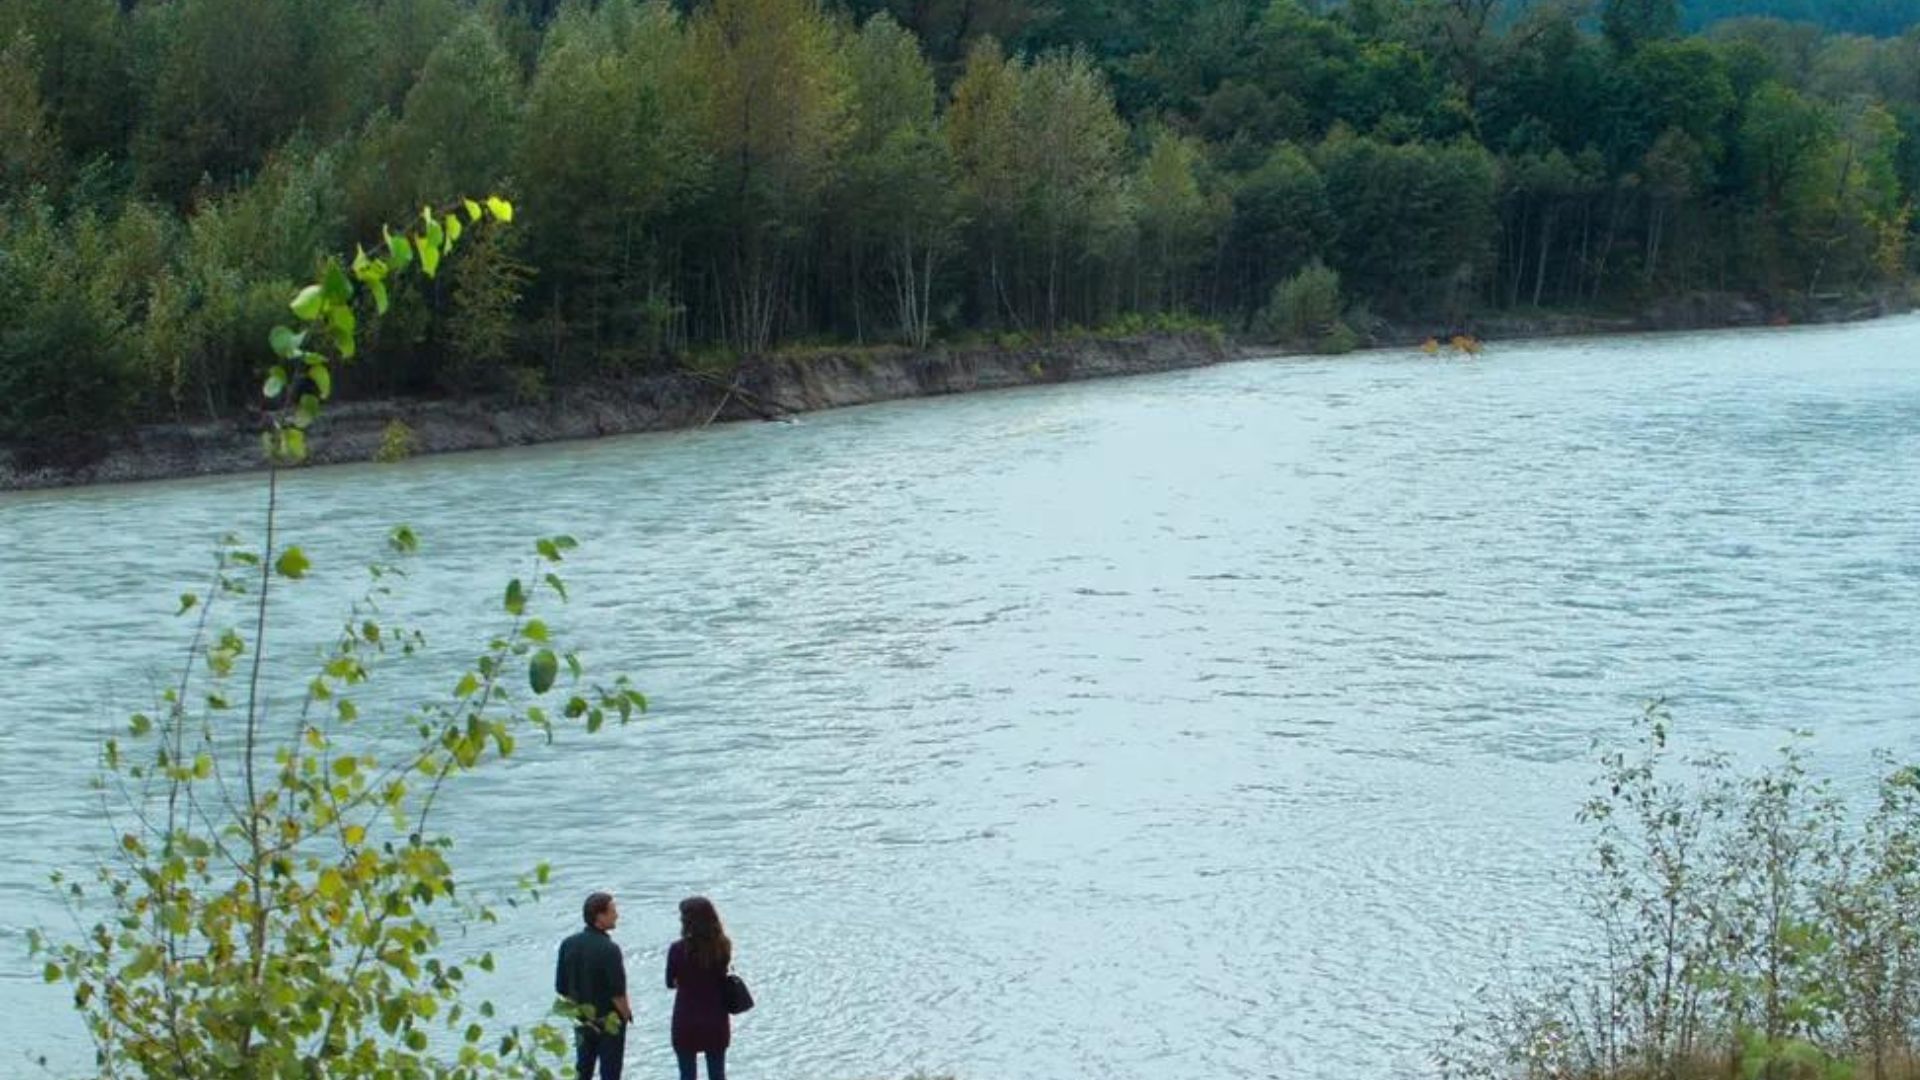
(1178, 222)
(1675, 172)
(458, 129)
(1282, 220)
(66, 346)
(1784, 143)
(897, 197)
(775, 118)
(84, 70)
(612, 159)
(983, 136)
(29, 145)
(1068, 158)
(231, 79)
(1629, 24)
(1414, 220)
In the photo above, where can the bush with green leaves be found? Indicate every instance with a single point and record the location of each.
(1750, 925)
(1305, 310)
(275, 896)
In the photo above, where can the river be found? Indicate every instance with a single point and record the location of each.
(1228, 722)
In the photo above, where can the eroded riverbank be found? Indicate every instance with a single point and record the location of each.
(774, 386)
(787, 384)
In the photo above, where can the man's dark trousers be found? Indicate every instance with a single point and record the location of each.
(592, 1045)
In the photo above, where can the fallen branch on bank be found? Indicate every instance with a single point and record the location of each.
(731, 390)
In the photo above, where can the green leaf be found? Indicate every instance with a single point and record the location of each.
(429, 254)
(543, 669)
(306, 412)
(535, 630)
(52, 972)
(188, 601)
(276, 382)
(473, 210)
(334, 284)
(501, 209)
(285, 343)
(344, 323)
(403, 540)
(308, 302)
(292, 563)
(293, 444)
(558, 586)
(453, 228)
(401, 249)
(322, 378)
(379, 291)
(516, 597)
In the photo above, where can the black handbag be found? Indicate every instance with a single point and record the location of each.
(738, 998)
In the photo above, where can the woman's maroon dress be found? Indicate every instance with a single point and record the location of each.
(700, 1020)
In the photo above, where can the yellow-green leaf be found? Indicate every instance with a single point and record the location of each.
(429, 254)
(308, 302)
(293, 563)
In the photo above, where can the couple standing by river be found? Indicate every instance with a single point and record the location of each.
(591, 975)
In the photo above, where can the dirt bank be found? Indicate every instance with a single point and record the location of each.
(774, 386)
(787, 384)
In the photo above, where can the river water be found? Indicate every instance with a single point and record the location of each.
(1229, 722)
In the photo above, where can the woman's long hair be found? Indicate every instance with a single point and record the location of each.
(707, 943)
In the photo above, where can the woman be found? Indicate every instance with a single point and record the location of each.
(697, 974)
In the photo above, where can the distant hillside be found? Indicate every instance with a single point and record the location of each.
(1881, 18)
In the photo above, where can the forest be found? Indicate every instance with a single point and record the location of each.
(698, 182)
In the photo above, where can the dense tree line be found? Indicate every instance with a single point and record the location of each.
(703, 180)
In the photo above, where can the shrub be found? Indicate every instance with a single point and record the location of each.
(1753, 921)
(1305, 309)
(397, 442)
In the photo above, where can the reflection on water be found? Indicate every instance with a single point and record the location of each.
(1225, 722)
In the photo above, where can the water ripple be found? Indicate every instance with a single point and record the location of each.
(1231, 721)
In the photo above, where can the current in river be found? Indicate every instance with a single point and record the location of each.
(1229, 722)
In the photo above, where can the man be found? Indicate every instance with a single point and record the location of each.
(593, 978)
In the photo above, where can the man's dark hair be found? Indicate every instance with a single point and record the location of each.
(596, 904)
